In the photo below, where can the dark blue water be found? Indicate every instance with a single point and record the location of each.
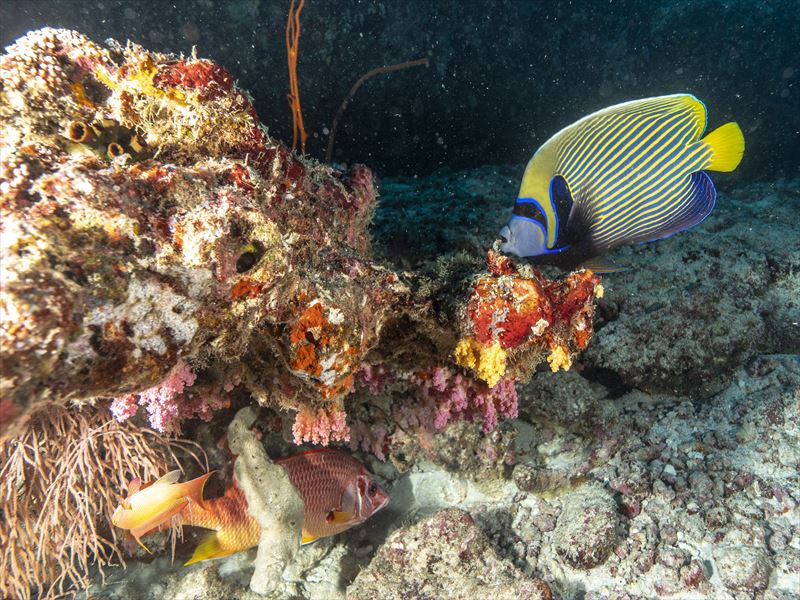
(503, 75)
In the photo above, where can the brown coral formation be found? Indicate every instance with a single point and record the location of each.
(53, 483)
(208, 241)
(115, 268)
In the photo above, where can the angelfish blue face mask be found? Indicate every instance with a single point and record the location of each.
(523, 237)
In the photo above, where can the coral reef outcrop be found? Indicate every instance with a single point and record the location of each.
(443, 556)
(160, 251)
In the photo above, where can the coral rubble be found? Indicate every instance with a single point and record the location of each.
(443, 556)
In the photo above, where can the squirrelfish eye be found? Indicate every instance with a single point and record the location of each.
(373, 489)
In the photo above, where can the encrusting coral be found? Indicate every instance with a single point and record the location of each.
(159, 249)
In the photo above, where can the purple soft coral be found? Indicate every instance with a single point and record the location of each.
(168, 404)
(456, 397)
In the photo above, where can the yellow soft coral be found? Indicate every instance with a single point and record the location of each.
(598, 290)
(559, 359)
(487, 360)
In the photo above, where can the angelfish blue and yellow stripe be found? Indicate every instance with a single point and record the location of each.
(634, 172)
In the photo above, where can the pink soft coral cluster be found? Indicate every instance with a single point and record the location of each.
(168, 403)
(321, 426)
(455, 397)
(376, 378)
(370, 438)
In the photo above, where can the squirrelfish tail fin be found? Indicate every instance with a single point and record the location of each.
(209, 547)
(727, 147)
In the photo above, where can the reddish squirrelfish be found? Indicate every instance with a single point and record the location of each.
(337, 490)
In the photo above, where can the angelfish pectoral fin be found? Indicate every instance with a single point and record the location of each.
(209, 547)
(602, 265)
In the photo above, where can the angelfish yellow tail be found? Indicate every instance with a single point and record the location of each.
(727, 147)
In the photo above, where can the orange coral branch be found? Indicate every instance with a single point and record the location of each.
(292, 46)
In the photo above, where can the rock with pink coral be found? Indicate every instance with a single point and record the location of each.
(443, 556)
(458, 397)
(169, 403)
(152, 232)
(322, 426)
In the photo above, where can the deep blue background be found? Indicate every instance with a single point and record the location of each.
(504, 75)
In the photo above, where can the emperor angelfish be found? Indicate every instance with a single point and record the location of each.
(634, 172)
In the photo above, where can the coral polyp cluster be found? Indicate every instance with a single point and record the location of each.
(514, 314)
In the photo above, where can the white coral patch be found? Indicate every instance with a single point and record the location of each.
(150, 308)
(540, 326)
(335, 316)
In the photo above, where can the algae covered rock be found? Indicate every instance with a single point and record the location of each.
(586, 531)
(443, 556)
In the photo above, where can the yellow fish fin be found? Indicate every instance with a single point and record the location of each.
(138, 541)
(308, 538)
(338, 516)
(209, 547)
(727, 147)
(170, 477)
(193, 490)
(134, 486)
